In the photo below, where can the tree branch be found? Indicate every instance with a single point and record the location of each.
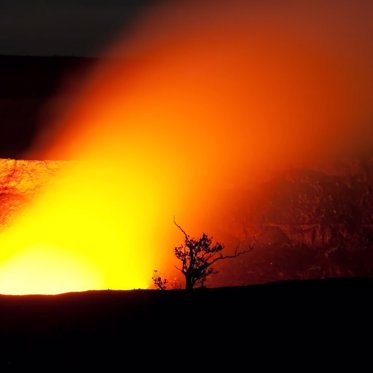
(182, 230)
(235, 255)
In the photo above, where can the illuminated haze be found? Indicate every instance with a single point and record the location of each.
(205, 98)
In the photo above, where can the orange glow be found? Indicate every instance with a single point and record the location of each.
(205, 104)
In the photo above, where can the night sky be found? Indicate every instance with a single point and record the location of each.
(75, 28)
(86, 27)
(64, 27)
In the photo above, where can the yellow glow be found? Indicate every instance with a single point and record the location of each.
(93, 228)
(46, 271)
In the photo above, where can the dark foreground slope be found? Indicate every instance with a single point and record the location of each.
(101, 328)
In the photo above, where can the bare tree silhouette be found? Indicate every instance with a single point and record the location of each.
(197, 257)
(158, 281)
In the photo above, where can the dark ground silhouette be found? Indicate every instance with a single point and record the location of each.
(103, 328)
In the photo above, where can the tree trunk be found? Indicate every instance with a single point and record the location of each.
(188, 282)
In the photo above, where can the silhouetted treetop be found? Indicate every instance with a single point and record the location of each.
(197, 257)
